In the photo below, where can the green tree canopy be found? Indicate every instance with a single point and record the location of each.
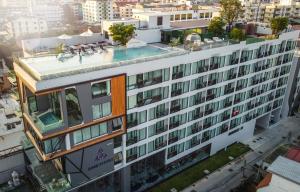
(278, 24)
(237, 34)
(230, 10)
(216, 26)
(122, 33)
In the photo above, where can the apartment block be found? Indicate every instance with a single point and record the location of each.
(4, 82)
(28, 25)
(97, 10)
(126, 119)
(264, 12)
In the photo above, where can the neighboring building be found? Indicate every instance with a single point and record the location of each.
(123, 9)
(50, 12)
(26, 25)
(11, 135)
(97, 10)
(124, 121)
(4, 82)
(264, 12)
(157, 26)
(284, 175)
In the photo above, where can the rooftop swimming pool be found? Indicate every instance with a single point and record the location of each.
(48, 66)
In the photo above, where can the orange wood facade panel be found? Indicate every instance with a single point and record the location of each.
(118, 95)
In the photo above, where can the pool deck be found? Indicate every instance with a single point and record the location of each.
(50, 66)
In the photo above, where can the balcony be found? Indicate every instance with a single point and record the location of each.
(131, 157)
(205, 138)
(237, 100)
(242, 73)
(225, 117)
(244, 59)
(210, 97)
(195, 143)
(161, 129)
(199, 100)
(235, 112)
(208, 111)
(177, 75)
(233, 61)
(239, 87)
(250, 106)
(175, 108)
(176, 92)
(160, 145)
(200, 85)
(162, 113)
(195, 129)
(132, 140)
(212, 82)
(172, 154)
(214, 66)
(197, 115)
(207, 125)
(132, 123)
(231, 76)
(174, 124)
(228, 104)
(150, 100)
(147, 82)
(201, 69)
(229, 90)
(275, 75)
(173, 139)
(270, 97)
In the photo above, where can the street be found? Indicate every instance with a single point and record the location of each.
(262, 144)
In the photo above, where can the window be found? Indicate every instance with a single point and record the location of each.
(52, 145)
(101, 110)
(159, 21)
(90, 133)
(101, 89)
(117, 124)
(32, 105)
(73, 107)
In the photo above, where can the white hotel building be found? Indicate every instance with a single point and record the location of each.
(125, 119)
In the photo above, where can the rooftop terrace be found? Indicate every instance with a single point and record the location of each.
(49, 66)
(93, 57)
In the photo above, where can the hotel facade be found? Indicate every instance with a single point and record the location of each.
(124, 120)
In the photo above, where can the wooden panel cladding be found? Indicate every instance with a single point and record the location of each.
(118, 95)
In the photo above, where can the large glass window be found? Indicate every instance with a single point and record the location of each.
(52, 145)
(32, 105)
(101, 89)
(101, 110)
(90, 133)
(73, 107)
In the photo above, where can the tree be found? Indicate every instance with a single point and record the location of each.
(174, 42)
(122, 33)
(230, 10)
(237, 34)
(216, 26)
(278, 24)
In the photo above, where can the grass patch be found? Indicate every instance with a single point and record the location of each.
(254, 40)
(194, 173)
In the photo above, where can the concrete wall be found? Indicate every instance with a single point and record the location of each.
(149, 36)
(224, 140)
(9, 164)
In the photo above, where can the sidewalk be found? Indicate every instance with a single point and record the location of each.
(262, 144)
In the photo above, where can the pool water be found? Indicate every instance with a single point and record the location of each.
(121, 54)
(48, 118)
